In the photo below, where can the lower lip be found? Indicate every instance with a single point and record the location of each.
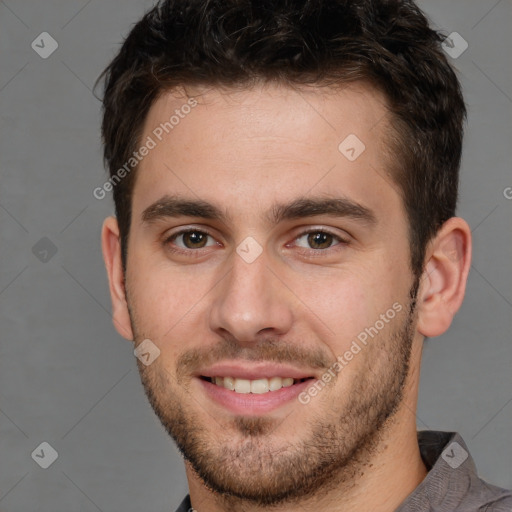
(253, 403)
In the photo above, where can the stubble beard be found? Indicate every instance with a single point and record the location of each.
(239, 461)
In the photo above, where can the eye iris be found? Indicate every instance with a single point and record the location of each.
(319, 239)
(194, 239)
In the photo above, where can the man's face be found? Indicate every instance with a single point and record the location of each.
(266, 293)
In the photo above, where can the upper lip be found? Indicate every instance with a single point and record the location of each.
(253, 371)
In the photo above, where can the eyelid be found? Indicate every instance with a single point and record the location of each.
(321, 229)
(188, 229)
(343, 240)
(167, 239)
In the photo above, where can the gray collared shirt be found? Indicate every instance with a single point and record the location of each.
(452, 483)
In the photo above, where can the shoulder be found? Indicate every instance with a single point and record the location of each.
(453, 483)
(494, 499)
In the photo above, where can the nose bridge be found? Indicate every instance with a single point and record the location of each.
(250, 299)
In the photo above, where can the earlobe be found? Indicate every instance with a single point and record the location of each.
(111, 247)
(443, 283)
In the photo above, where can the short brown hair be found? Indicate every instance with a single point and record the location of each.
(388, 44)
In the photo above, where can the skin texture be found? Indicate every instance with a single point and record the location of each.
(353, 446)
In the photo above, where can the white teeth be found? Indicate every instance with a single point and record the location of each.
(275, 383)
(229, 383)
(287, 382)
(242, 386)
(257, 386)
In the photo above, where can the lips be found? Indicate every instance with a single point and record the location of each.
(254, 371)
(255, 388)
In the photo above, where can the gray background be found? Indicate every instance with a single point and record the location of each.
(67, 378)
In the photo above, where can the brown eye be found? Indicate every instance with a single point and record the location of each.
(191, 239)
(194, 239)
(317, 240)
(320, 240)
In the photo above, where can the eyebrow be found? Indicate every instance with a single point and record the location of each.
(174, 206)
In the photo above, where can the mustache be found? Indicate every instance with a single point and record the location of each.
(266, 350)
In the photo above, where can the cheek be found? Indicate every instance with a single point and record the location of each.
(341, 304)
(164, 298)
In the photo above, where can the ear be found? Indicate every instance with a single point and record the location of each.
(443, 282)
(111, 246)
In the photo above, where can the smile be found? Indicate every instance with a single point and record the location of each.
(256, 386)
(252, 397)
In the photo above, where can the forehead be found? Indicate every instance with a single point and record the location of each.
(236, 146)
(271, 111)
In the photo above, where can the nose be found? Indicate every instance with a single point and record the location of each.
(251, 301)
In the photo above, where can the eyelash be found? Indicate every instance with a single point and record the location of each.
(311, 252)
